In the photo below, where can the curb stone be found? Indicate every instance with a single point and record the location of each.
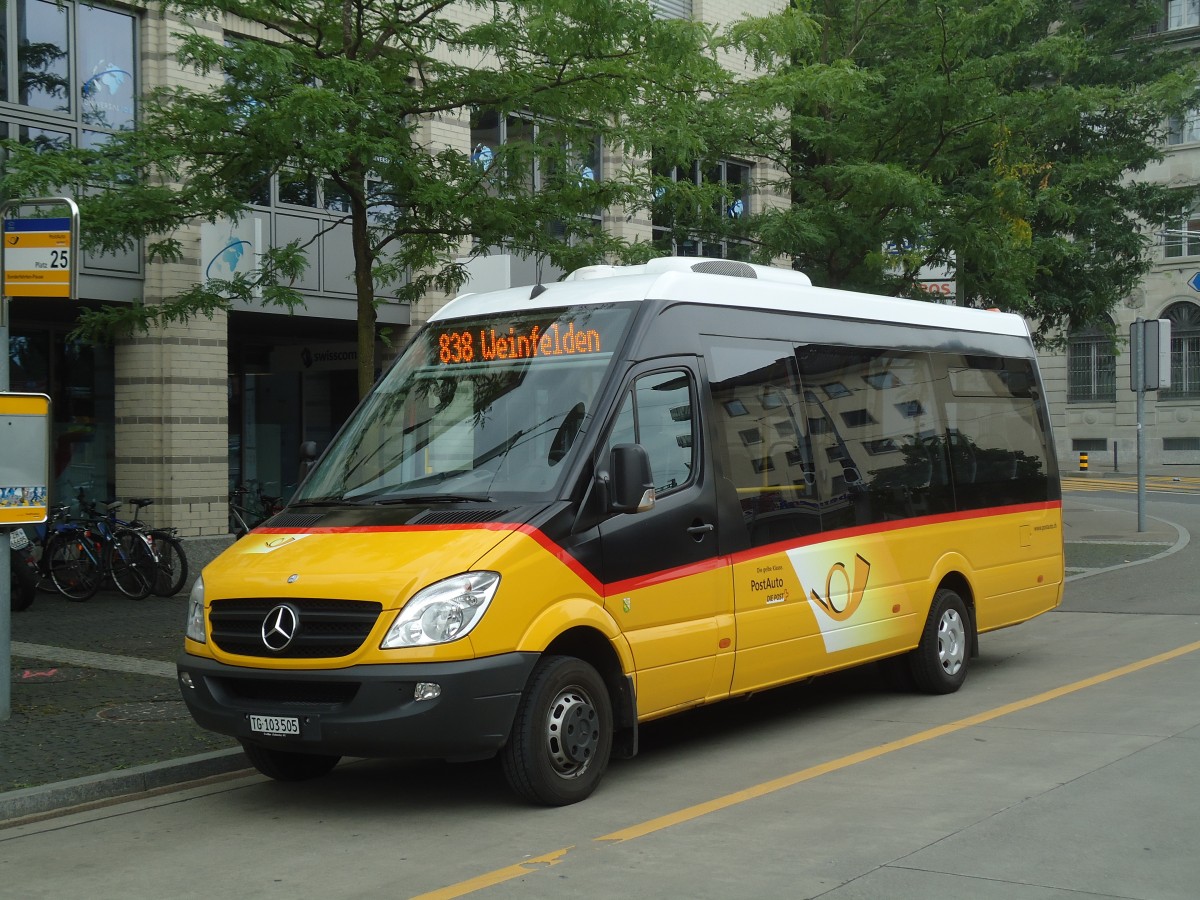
(59, 796)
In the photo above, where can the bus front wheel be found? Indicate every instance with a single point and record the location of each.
(563, 733)
(939, 664)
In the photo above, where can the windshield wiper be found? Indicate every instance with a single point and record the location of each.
(331, 500)
(431, 498)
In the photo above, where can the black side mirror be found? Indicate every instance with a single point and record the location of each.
(629, 481)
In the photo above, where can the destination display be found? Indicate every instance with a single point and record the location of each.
(560, 333)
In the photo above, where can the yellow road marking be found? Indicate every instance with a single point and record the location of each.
(642, 829)
(1160, 484)
(499, 876)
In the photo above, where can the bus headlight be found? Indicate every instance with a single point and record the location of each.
(195, 611)
(443, 612)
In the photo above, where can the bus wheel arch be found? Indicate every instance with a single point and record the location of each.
(594, 648)
(956, 581)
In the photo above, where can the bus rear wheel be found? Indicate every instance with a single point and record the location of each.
(563, 733)
(939, 664)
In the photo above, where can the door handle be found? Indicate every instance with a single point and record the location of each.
(698, 531)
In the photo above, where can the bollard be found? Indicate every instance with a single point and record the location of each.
(1083, 461)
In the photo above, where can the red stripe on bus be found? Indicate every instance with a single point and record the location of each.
(685, 571)
(824, 537)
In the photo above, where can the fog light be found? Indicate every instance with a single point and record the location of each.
(427, 690)
(186, 680)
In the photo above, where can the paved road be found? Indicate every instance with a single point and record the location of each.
(1068, 767)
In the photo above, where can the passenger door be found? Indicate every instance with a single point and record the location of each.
(762, 446)
(665, 581)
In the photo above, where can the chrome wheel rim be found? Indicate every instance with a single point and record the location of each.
(572, 732)
(952, 642)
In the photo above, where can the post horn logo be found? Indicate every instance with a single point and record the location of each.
(844, 594)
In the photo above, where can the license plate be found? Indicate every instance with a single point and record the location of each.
(275, 724)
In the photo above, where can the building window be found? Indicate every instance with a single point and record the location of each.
(671, 9)
(1091, 365)
(75, 67)
(1182, 14)
(1184, 130)
(1181, 444)
(1185, 351)
(684, 228)
(490, 131)
(1182, 237)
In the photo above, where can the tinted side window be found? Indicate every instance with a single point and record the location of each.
(876, 430)
(994, 432)
(761, 438)
(659, 413)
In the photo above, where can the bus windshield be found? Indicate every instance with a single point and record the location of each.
(477, 409)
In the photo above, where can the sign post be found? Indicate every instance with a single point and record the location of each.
(39, 257)
(1149, 370)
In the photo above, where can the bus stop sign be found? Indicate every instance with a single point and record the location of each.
(37, 257)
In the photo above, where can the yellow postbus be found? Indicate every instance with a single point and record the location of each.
(568, 510)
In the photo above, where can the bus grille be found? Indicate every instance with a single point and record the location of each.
(326, 628)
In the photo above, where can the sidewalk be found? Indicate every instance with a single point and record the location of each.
(96, 712)
(1098, 538)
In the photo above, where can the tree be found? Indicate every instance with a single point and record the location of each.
(1005, 140)
(341, 93)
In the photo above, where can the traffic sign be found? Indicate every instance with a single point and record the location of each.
(38, 257)
(1194, 282)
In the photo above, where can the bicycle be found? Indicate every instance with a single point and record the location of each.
(81, 553)
(172, 569)
(244, 518)
(172, 560)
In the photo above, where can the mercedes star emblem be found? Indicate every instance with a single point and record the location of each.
(279, 627)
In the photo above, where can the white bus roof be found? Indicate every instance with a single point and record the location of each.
(721, 282)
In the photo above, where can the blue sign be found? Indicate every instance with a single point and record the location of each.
(1194, 282)
(31, 225)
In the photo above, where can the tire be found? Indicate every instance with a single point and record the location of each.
(132, 564)
(940, 662)
(23, 582)
(73, 567)
(563, 734)
(172, 564)
(284, 765)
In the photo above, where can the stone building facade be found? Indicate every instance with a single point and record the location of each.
(187, 412)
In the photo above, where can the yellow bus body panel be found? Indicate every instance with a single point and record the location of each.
(730, 626)
(837, 603)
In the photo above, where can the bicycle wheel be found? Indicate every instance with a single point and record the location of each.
(172, 563)
(132, 563)
(73, 566)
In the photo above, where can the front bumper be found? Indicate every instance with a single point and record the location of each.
(364, 710)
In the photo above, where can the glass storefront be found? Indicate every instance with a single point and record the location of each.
(78, 378)
(283, 391)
